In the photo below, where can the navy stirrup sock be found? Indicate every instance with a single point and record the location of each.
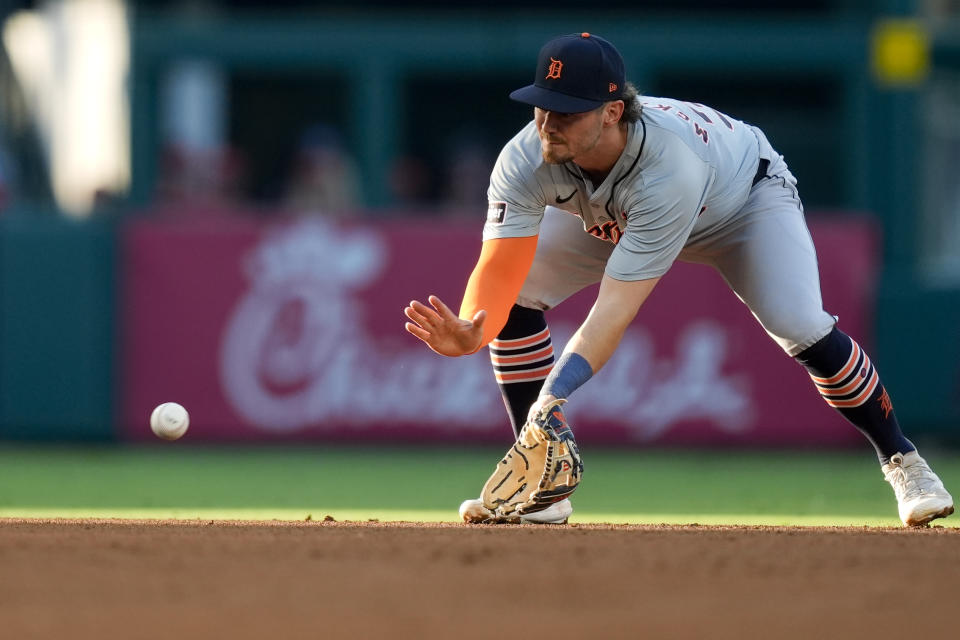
(522, 357)
(848, 382)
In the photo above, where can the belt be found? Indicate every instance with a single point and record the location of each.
(762, 167)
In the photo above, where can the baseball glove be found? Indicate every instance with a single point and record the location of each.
(542, 467)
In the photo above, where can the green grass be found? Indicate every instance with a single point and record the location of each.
(427, 484)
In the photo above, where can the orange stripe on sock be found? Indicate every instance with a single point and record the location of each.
(533, 356)
(848, 388)
(860, 399)
(524, 376)
(847, 368)
(521, 342)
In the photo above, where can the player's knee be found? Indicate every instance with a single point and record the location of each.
(796, 333)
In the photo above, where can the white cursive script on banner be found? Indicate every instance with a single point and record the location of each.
(295, 355)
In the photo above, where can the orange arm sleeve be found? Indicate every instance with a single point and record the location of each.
(496, 281)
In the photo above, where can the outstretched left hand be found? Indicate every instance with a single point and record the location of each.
(442, 330)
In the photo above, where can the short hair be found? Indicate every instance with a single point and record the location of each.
(632, 107)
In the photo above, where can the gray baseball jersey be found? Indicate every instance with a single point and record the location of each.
(684, 188)
(686, 169)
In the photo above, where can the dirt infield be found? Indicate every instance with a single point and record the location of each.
(189, 579)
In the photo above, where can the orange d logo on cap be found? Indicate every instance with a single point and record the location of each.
(553, 72)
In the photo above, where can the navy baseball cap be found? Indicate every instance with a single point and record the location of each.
(575, 73)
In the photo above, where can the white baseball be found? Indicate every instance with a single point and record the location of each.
(169, 421)
(474, 511)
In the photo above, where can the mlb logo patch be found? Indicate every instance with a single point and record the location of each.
(496, 211)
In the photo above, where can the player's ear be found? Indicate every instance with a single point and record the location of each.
(612, 112)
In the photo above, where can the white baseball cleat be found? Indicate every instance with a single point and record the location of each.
(920, 493)
(557, 513)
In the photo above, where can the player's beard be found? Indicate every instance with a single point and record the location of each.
(553, 154)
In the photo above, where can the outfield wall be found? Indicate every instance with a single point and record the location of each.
(292, 331)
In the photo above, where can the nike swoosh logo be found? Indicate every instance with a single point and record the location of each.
(562, 200)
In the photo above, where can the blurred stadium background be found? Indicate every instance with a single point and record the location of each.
(227, 204)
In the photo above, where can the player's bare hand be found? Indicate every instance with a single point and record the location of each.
(442, 330)
(538, 406)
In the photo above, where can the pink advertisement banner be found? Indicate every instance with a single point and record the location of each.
(293, 331)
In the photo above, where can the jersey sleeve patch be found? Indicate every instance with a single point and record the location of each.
(496, 212)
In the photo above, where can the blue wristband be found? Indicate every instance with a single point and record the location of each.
(571, 372)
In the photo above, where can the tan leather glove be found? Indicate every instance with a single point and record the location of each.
(542, 467)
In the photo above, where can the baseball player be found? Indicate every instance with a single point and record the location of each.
(610, 186)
